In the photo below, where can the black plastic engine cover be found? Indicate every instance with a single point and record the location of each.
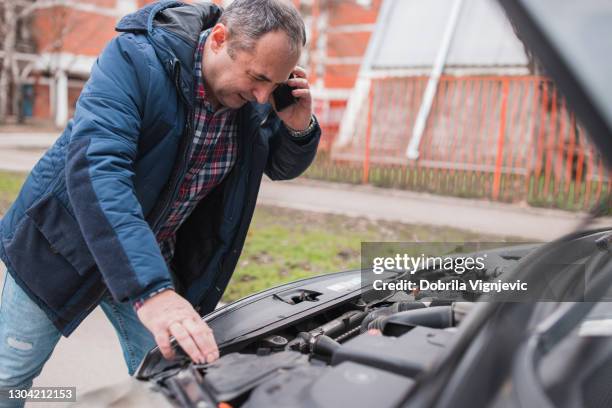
(406, 355)
(235, 374)
(347, 385)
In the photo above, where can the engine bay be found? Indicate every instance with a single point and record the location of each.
(357, 353)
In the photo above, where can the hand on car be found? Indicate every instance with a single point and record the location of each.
(168, 314)
(297, 116)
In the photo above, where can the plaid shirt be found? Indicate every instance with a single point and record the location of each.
(212, 155)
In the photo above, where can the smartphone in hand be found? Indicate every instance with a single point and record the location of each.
(283, 98)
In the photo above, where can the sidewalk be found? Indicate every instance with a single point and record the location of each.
(426, 209)
(21, 139)
(20, 151)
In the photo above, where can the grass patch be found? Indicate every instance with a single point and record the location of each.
(284, 245)
(10, 184)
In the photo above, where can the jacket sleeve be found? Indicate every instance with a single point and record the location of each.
(290, 156)
(100, 171)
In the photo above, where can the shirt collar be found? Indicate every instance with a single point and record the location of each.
(200, 90)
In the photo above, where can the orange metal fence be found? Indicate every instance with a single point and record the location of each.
(503, 138)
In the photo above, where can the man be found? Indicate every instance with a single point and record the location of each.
(143, 203)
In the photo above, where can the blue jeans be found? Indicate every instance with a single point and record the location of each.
(27, 338)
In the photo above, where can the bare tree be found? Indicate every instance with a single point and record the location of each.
(13, 14)
(9, 33)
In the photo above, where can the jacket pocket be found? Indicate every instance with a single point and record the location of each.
(62, 232)
(49, 254)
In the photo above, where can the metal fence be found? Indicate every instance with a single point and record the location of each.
(508, 139)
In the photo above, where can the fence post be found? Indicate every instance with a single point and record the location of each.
(500, 140)
(366, 157)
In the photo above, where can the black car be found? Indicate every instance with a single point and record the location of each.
(327, 342)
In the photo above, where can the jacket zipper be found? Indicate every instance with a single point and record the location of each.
(169, 199)
(232, 248)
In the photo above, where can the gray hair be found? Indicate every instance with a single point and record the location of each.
(249, 20)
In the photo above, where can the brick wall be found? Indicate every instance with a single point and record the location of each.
(63, 29)
(41, 108)
(339, 42)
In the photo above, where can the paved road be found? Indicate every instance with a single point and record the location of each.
(20, 151)
(42, 140)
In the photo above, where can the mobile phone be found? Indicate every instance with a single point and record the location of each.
(283, 98)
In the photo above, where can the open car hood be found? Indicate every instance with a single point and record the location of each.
(572, 40)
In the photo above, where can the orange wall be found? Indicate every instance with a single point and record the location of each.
(73, 94)
(347, 35)
(100, 3)
(142, 3)
(340, 75)
(349, 12)
(342, 44)
(61, 29)
(346, 38)
(41, 107)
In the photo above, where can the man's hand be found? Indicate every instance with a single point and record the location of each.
(167, 314)
(297, 116)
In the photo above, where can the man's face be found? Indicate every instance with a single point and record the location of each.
(248, 76)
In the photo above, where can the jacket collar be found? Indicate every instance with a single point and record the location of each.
(173, 28)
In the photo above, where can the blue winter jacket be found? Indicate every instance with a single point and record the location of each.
(85, 219)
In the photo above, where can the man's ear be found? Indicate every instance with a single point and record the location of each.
(218, 37)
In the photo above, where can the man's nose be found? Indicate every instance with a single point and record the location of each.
(262, 93)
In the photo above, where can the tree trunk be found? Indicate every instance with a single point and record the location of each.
(8, 46)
